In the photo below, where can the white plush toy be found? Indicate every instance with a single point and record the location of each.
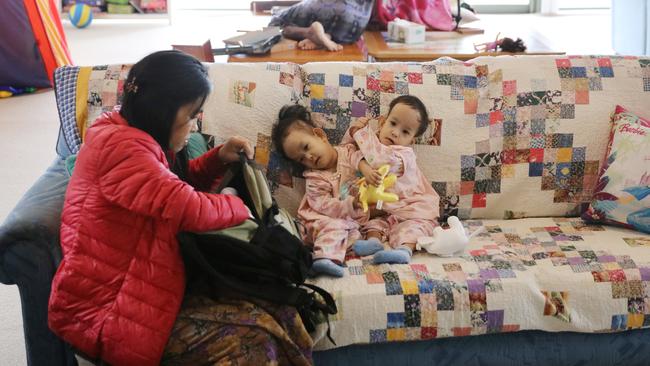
(447, 242)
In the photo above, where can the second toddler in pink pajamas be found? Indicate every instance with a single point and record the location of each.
(329, 211)
(415, 214)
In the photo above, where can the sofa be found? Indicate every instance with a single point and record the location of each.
(514, 146)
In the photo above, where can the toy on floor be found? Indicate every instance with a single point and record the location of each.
(369, 194)
(80, 15)
(501, 44)
(447, 242)
(8, 91)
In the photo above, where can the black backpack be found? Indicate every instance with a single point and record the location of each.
(263, 257)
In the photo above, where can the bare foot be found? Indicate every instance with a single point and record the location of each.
(307, 44)
(318, 37)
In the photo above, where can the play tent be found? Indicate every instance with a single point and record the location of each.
(32, 43)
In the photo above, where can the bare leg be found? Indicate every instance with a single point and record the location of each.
(410, 246)
(373, 234)
(371, 245)
(311, 37)
(307, 44)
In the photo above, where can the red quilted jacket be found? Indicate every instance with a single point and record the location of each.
(119, 287)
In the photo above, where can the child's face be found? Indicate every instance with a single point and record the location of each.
(310, 148)
(400, 127)
(184, 124)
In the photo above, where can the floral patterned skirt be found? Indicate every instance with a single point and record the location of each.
(231, 331)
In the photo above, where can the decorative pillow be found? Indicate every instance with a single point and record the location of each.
(82, 94)
(622, 195)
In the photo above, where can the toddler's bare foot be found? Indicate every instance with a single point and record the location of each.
(307, 44)
(318, 37)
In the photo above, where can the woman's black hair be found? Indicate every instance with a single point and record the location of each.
(415, 103)
(157, 87)
(291, 115)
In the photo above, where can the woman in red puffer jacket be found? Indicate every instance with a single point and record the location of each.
(120, 284)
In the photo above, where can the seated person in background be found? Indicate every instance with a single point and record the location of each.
(324, 23)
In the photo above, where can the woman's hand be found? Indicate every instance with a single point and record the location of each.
(232, 147)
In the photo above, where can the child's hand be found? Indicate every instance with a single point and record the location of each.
(400, 168)
(230, 150)
(355, 203)
(373, 177)
(360, 123)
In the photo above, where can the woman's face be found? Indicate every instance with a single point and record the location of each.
(184, 124)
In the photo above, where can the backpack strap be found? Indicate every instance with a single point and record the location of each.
(328, 308)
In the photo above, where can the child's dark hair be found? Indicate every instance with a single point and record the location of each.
(157, 87)
(415, 103)
(290, 116)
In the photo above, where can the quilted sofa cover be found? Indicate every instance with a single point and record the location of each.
(515, 145)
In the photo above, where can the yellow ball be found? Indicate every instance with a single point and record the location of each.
(80, 15)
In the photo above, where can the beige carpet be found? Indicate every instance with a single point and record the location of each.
(28, 124)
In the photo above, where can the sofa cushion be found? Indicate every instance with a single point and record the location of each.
(622, 195)
(246, 98)
(551, 274)
(517, 136)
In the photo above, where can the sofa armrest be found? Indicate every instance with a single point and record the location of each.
(29, 256)
(36, 219)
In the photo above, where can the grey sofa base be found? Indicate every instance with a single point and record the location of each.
(630, 348)
(29, 256)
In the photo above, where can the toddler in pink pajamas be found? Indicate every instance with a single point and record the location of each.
(415, 214)
(329, 211)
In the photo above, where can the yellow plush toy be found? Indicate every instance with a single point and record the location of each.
(369, 194)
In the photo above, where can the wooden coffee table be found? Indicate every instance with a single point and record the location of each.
(287, 51)
(439, 44)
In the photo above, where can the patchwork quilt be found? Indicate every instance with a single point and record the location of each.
(552, 274)
(510, 136)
